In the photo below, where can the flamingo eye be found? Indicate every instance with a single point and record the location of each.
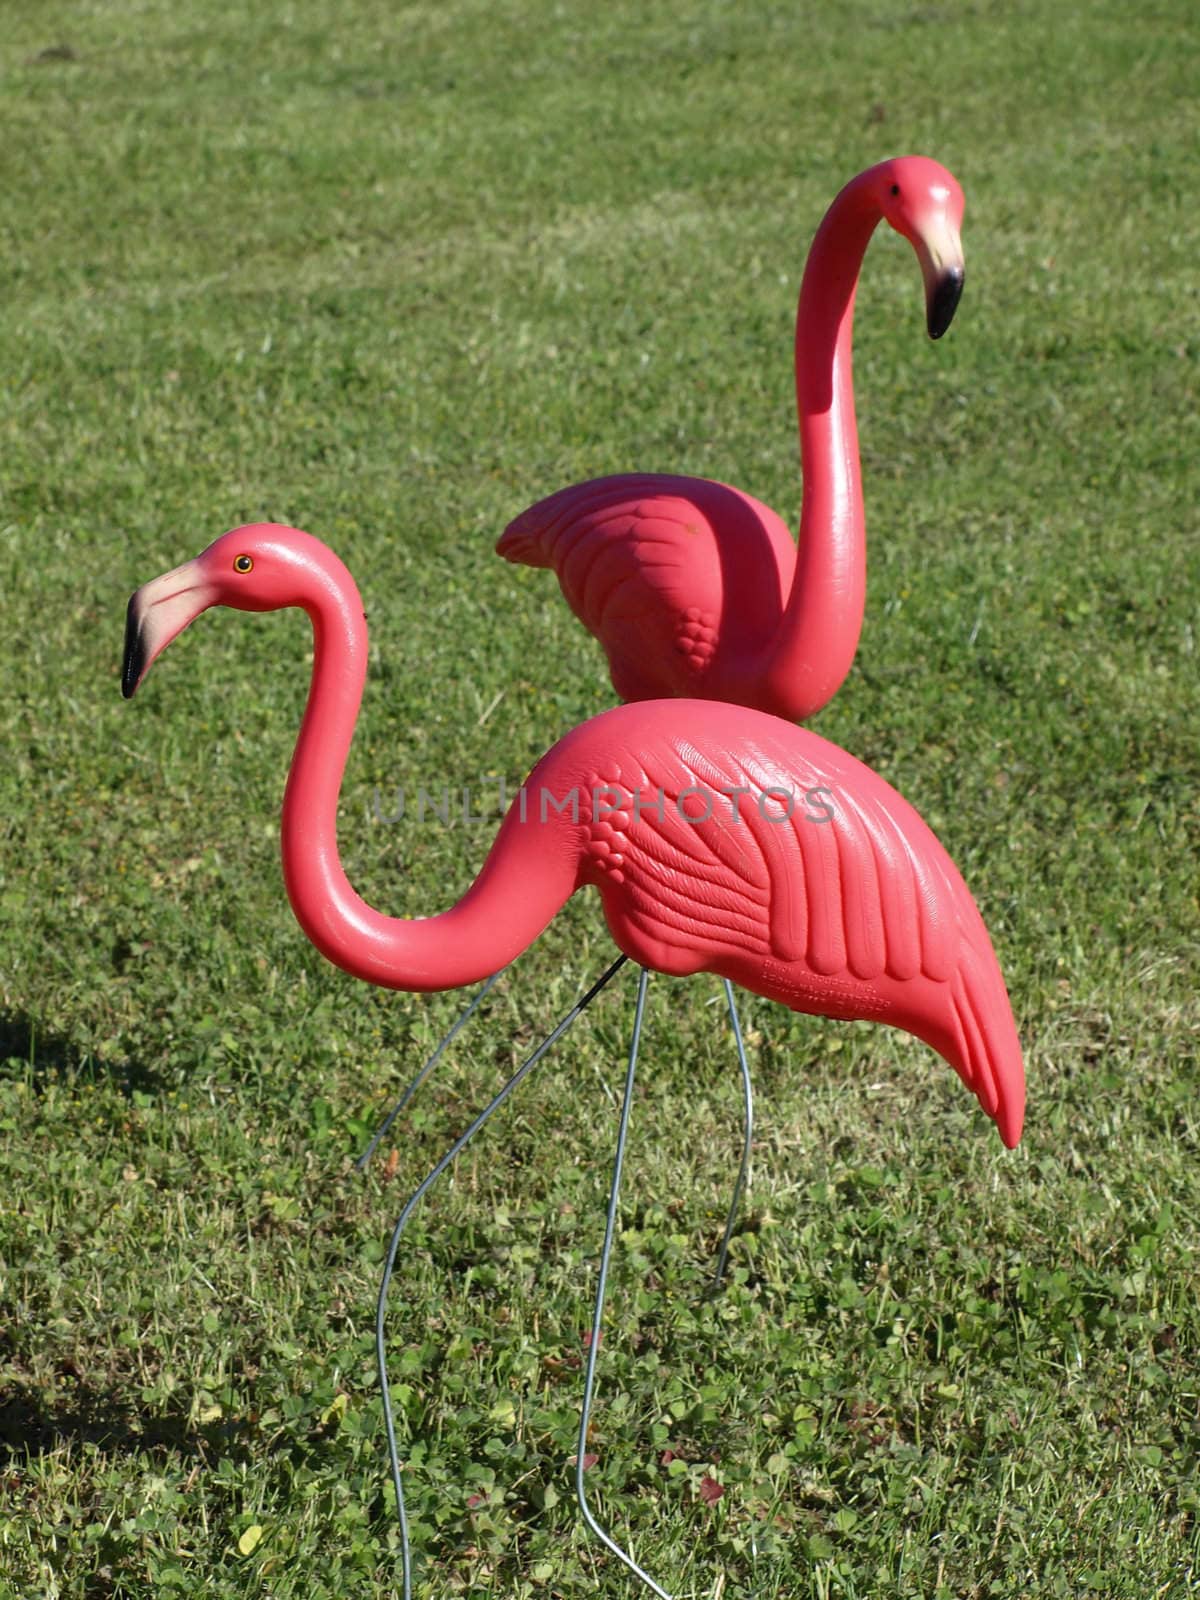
(243, 564)
(895, 190)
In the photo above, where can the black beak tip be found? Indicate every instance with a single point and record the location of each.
(942, 303)
(134, 663)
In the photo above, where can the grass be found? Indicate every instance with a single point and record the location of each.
(391, 273)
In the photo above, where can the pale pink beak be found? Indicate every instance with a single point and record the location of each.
(157, 612)
(940, 252)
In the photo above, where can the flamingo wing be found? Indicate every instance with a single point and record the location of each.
(783, 863)
(777, 847)
(669, 573)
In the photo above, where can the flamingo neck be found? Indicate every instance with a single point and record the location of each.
(818, 635)
(473, 939)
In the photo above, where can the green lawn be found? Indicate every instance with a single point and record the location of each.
(391, 272)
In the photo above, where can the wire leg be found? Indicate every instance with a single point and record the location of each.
(402, 1222)
(747, 1140)
(598, 1316)
(361, 1164)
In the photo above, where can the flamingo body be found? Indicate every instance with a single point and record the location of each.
(724, 840)
(720, 839)
(696, 589)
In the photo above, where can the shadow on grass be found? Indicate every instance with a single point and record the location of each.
(32, 1425)
(43, 1055)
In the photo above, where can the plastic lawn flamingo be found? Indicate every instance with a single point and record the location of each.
(720, 839)
(697, 589)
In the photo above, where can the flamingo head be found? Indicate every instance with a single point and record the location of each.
(924, 203)
(261, 567)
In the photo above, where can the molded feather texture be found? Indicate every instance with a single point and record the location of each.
(678, 576)
(743, 846)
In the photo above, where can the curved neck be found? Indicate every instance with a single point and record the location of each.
(818, 635)
(496, 919)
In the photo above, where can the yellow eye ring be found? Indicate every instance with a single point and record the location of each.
(243, 564)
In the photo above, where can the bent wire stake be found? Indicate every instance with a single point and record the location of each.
(402, 1222)
(447, 1038)
(747, 1140)
(610, 1224)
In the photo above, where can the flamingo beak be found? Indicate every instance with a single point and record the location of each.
(939, 250)
(157, 612)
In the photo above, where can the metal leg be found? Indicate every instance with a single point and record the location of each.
(465, 1017)
(598, 1316)
(747, 1140)
(402, 1221)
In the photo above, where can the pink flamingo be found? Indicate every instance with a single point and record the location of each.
(724, 841)
(697, 589)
